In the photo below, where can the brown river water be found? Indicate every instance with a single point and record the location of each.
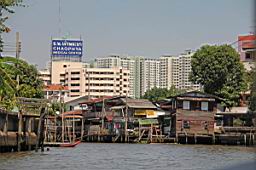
(102, 156)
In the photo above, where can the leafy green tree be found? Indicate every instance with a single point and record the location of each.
(28, 85)
(156, 94)
(219, 70)
(5, 7)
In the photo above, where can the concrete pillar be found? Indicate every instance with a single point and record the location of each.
(19, 130)
(29, 132)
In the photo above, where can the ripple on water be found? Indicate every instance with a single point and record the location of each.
(95, 156)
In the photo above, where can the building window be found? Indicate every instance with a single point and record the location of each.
(64, 66)
(247, 56)
(75, 90)
(75, 78)
(75, 72)
(75, 84)
(204, 106)
(186, 105)
(186, 124)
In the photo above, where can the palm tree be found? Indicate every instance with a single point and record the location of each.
(8, 84)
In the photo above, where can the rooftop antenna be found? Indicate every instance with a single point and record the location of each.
(59, 18)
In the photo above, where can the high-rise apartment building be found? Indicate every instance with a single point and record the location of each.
(147, 73)
(184, 72)
(175, 70)
(168, 64)
(125, 62)
(150, 74)
(144, 72)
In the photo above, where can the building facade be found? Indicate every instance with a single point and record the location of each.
(45, 76)
(146, 73)
(101, 82)
(175, 71)
(56, 92)
(184, 72)
(58, 70)
(247, 50)
(126, 62)
(150, 74)
(82, 80)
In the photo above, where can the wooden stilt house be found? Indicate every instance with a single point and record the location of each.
(194, 118)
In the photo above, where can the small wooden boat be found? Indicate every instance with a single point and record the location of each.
(70, 144)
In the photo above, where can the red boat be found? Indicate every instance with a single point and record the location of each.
(70, 144)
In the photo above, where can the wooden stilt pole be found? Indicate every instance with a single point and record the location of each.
(46, 130)
(39, 130)
(55, 128)
(253, 138)
(151, 133)
(73, 128)
(213, 139)
(139, 133)
(82, 129)
(186, 138)
(245, 139)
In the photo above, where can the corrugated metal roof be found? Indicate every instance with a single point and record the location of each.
(55, 87)
(139, 103)
(117, 107)
(197, 94)
(234, 110)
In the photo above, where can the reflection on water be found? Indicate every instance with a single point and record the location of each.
(94, 156)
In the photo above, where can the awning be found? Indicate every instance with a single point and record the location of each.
(117, 107)
(140, 113)
(148, 121)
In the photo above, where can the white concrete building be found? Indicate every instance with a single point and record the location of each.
(147, 73)
(56, 92)
(101, 82)
(82, 80)
(125, 62)
(175, 70)
(144, 73)
(58, 69)
(45, 76)
(150, 74)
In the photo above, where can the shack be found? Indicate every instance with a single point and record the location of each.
(121, 119)
(235, 126)
(194, 117)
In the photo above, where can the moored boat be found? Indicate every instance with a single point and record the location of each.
(70, 144)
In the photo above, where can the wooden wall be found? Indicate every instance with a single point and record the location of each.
(200, 122)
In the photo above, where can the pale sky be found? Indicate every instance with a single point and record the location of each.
(150, 28)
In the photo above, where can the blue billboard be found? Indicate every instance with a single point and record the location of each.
(67, 48)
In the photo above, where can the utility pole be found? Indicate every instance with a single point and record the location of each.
(103, 112)
(18, 45)
(18, 80)
(62, 116)
(18, 50)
